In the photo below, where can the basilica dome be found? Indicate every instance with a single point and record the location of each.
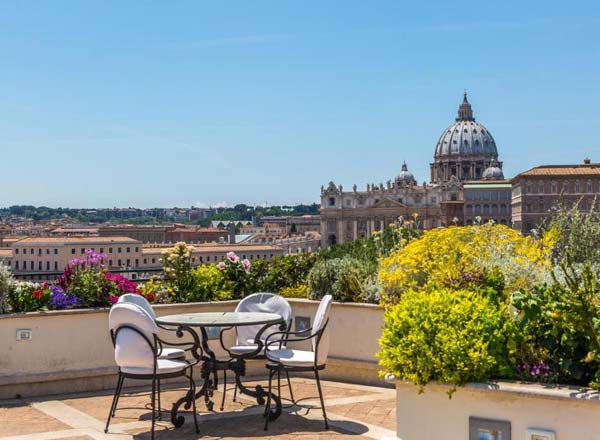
(465, 148)
(493, 172)
(466, 137)
(405, 177)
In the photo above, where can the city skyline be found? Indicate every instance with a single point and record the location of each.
(208, 105)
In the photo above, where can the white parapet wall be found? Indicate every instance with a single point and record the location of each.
(567, 412)
(71, 350)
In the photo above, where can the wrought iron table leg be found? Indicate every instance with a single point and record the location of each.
(259, 393)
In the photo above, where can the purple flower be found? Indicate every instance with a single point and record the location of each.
(60, 300)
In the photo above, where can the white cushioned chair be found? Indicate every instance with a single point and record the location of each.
(284, 359)
(245, 344)
(135, 337)
(139, 300)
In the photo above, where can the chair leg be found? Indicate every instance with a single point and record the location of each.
(159, 407)
(153, 405)
(120, 385)
(113, 406)
(290, 386)
(193, 391)
(279, 383)
(268, 407)
(321, 397)
(235, 392)
(224, 389)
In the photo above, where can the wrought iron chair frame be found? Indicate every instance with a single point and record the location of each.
(156, 346)
(278, 367)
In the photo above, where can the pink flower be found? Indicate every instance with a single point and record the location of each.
(246, 265)
(221, 266)
(231, 256)
(113, 299)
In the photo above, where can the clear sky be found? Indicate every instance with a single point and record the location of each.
(174, 103)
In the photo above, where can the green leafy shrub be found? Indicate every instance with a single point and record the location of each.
(7, 284)
(577, 234)
(344, 278)
(449, 336)
(280, 273)
(209, 284)
(177, 266)
(298, 291)
(21, 298)
(560, 324)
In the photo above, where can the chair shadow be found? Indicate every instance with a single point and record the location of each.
(244, 426)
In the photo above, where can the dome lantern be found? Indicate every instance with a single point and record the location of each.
(465, 111)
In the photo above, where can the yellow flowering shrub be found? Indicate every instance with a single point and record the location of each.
(452, 256)
(447, 335)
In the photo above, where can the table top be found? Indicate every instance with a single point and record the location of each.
(220, 319)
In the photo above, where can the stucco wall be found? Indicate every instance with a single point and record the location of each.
(71, 350)
(570, 412)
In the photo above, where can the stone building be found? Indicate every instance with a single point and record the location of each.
(536, 192)
(465, 153)
(348, 215)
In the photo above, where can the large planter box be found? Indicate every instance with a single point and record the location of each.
(570, 413)
(71, 350)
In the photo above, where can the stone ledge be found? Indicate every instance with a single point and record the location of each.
(526, 389)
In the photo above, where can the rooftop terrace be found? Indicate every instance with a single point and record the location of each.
(354, 411)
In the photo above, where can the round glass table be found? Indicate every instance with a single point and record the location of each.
(194, 322)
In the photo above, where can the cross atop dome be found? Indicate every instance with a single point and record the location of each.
(465, 112)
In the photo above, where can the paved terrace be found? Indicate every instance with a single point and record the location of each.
(354, 411)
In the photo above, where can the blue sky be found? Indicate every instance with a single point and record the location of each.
(116, 103)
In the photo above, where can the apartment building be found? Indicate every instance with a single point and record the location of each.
(536, 192)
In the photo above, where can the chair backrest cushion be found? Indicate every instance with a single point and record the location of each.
(140, 301)
(264, 303)
(131, 349)
(319, 322)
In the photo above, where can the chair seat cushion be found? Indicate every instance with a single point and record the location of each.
(163, 366)
(292, 358)
(172, 353)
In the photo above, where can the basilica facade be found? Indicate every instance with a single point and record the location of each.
(465, 153)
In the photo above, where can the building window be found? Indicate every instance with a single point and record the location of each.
(16, 265)
(577, 188)
(331, 201)
(83, 250)
(17, 251)
(119, 250)
(101, 250)
(590, 187)
(153, 260)
(56, 265)
(137, 249)
(553, 187)
(119, 263)
(331, 226)
(47, 265)
(540, 187)
(348, 202)
(110, 250)
(128, 250)
(137, 262)
(73, 251)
